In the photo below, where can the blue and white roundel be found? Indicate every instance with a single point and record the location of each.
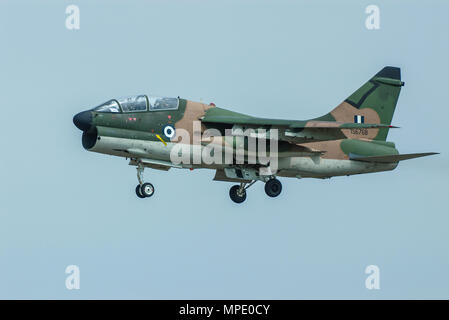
(169, 131)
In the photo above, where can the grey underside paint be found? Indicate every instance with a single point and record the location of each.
(156, 155)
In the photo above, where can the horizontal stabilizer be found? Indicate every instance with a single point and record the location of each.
(389, 158)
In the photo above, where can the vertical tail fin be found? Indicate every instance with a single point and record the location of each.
(374, 102)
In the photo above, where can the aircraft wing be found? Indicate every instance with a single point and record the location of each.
(296, 131)
(389, 158)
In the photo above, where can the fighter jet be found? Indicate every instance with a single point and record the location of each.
(163, 133)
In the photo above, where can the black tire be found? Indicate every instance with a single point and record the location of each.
(138, 192)
(273, 188)
(147, 190)
(234, 194)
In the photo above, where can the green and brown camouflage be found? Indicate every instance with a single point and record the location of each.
(350, 139)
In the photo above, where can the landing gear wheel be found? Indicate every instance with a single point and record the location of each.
(237, 194)
(147, 190)
(139, 194)
(273, 188)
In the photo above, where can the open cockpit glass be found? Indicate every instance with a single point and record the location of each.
(163, 103)
(134, 103)
(109, 106)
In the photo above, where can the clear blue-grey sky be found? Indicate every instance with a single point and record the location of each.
(61, 205)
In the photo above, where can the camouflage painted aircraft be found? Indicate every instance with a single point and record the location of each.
(351, 139)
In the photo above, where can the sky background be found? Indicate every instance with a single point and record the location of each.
(61, 205)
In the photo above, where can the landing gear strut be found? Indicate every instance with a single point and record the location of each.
(143, 190)
(238, 192)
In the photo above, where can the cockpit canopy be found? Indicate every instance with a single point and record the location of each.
(138, 103)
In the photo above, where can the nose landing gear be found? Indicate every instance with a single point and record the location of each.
(146, 190)
(138, 192)
(143, 190)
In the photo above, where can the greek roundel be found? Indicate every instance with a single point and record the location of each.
(169, 131)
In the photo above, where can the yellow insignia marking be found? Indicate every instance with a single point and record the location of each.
(162, 140)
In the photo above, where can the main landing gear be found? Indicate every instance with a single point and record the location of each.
(143, 190)
(237, 193)
(273, 187)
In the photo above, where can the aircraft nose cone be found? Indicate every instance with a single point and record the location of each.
(83, 120)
